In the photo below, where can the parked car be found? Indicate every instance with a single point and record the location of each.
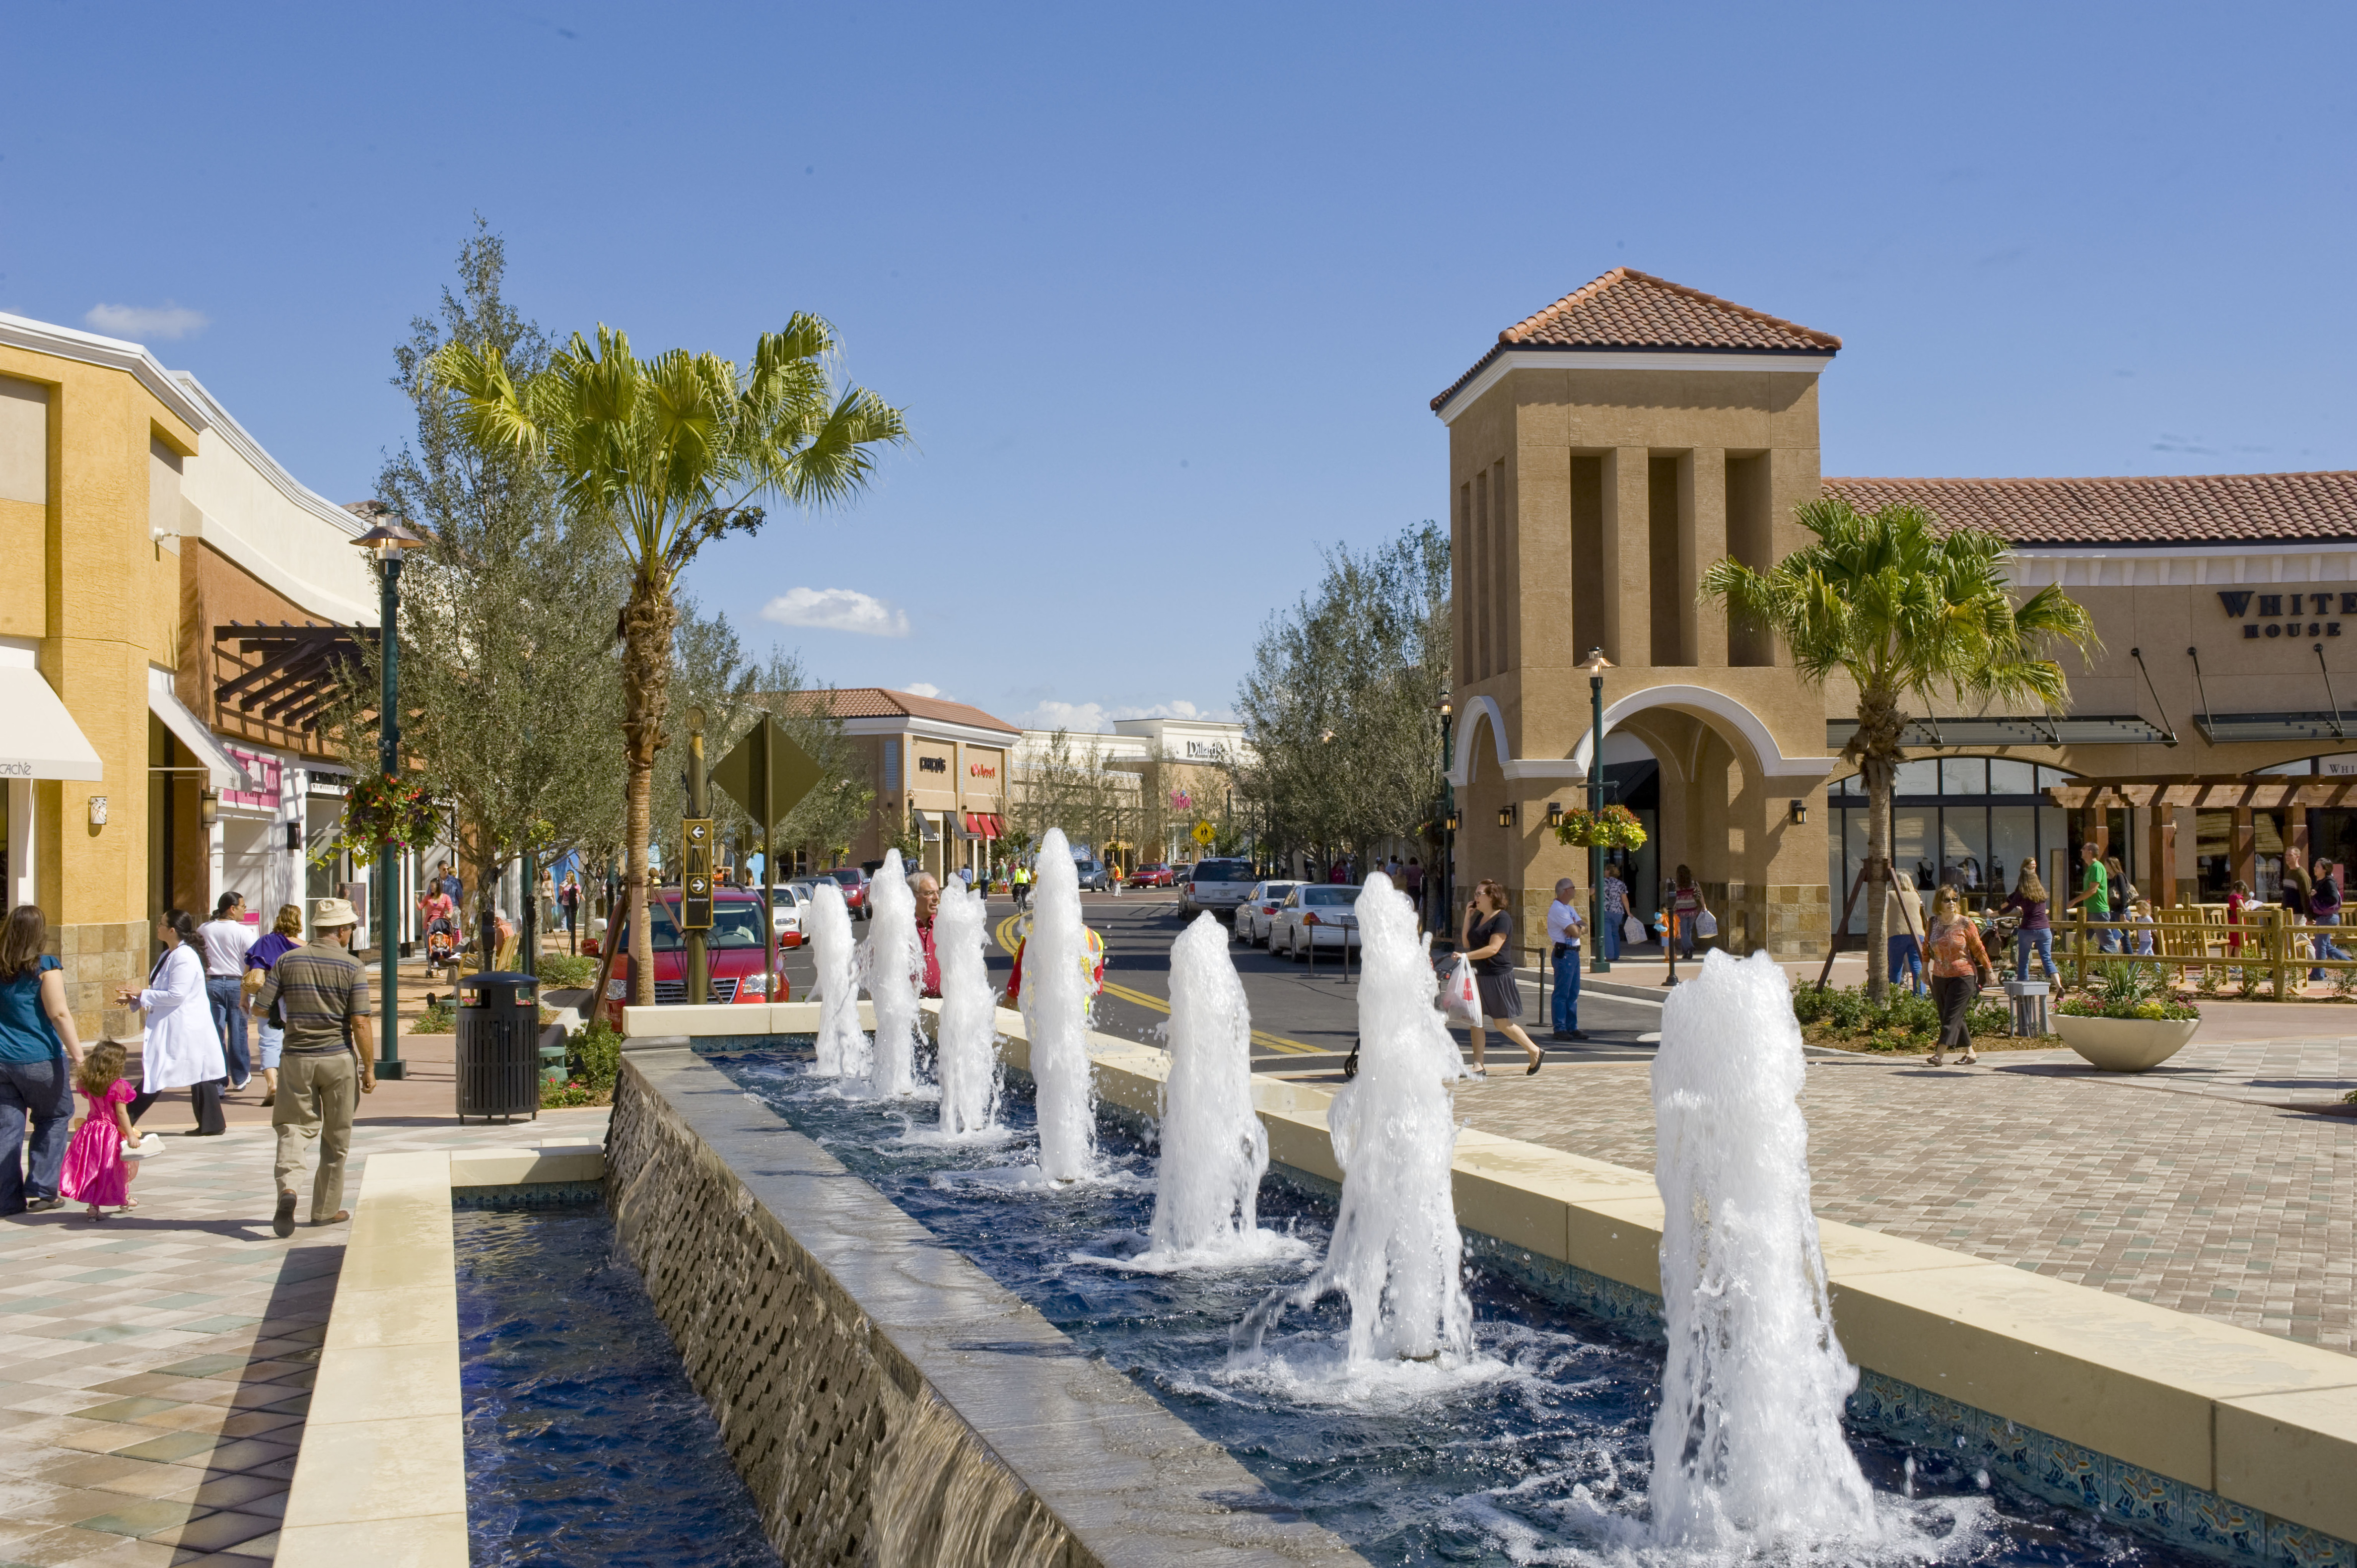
(1314, 915)
(853, 882)
(1255, 914)
(1153, 876)
(1093, 876)
(1218, 886)
(736, 949)
(790, 906)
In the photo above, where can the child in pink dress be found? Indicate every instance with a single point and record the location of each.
(95, 1171)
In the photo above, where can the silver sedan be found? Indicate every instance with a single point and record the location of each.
(1258, 909)
(1314, 915)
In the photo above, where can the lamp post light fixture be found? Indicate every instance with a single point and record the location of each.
(1595, 666)
(389, 542)
(1447, 877)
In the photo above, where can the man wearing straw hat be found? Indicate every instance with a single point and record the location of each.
(328, 1047)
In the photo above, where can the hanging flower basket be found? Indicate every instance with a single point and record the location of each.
(1614, 827)
(386, 811)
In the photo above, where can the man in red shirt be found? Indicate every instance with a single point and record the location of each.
(929, 900)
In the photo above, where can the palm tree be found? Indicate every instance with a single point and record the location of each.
(1904, 609)
(672, 451)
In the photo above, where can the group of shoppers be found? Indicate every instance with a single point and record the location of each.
(311, 1003)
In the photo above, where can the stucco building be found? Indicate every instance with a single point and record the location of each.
(1607, 449)
(938, 768)
(149, 540)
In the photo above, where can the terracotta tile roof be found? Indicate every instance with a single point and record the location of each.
(879, 703)
(1632, 311)
(2172, 508)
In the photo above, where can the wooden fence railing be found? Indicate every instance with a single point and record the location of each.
(2200, 937)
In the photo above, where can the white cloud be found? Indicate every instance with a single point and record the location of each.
(1096, 718)
(836, 609)
(923, 689)
(144, 321)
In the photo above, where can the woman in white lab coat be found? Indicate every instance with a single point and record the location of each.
(183, 1048)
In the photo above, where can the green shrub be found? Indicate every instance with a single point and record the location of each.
(567, 972)
(1809, 1004)
(594, 1056)
(1989, 1019)
(438, 1018)
(1846, 1010)
(2127, 988)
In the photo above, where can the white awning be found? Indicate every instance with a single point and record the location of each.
(38, 739)
(166, 704)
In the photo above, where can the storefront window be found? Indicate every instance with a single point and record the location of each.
(1965, 821)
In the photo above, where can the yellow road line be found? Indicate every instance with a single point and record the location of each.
(1006, 942)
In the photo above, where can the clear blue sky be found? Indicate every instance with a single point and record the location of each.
(1165, 291)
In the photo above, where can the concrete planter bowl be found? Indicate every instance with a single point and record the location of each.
(2125, 1045)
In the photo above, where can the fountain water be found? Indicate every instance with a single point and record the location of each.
(891, 962)
(1749, 1449)
(842, 1044)
(1395, 1251)
(1214, 1149)
(1055, 999)
(967, 1061)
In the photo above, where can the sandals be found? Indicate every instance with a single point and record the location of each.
(1967, 1059)
(1939, 1059)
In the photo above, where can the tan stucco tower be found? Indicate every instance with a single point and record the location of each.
(1604, 453)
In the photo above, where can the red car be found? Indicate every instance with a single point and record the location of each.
(854, 883)
(1153, 876)
(734, 951)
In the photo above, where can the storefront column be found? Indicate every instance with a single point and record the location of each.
(2296, 831)
(2161, 881)
(2244, 865)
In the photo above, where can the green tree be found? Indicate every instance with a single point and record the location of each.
(1341, 712)
(675, 450)
(508, 667)
(1905, 610)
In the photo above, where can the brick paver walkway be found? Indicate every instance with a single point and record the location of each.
(2224, 1182)
(154, 1367)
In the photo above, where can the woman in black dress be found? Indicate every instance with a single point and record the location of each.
(1488, 943)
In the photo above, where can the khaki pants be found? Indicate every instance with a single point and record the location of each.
(316, 1097)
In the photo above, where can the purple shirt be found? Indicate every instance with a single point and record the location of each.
(266, 952)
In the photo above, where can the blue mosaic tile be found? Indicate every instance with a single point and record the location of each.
(2298, 1546)
(2151, 1502)
(2233, 1532)
(2065, 1469)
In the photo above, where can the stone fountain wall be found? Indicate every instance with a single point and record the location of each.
(885, 1402)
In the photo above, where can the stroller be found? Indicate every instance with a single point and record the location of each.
(441, 945)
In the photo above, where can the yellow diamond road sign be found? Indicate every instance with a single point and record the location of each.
(1204, 833)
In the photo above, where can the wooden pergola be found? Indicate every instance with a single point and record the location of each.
(2239, 795)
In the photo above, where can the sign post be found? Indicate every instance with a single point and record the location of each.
(767, 775)
(696, 866)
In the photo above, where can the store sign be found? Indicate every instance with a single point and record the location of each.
(932, 765)
(981, 770)
(2284, 615)
(1215, 750)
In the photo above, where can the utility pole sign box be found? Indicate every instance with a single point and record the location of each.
(767, 775)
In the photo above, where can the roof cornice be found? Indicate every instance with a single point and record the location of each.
(1505, 358)
(285, 484)
(89, 348)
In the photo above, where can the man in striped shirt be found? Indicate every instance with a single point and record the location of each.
(324, 996)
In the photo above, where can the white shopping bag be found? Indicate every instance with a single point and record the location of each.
(1706, 923)
(1632, 931)
(1460, 999)
(143, 1148)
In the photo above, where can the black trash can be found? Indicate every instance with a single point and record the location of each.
(499, 1045)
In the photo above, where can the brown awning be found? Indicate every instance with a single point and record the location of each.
(286, 674)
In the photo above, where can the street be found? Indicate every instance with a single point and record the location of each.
(1303, 1019)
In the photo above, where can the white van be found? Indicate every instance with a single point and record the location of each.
(1216, 885)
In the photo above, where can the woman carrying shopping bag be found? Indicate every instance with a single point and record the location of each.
(1487, 944)
(1960, 967)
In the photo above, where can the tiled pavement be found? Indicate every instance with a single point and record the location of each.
(2224, 1183)
(154, 1367)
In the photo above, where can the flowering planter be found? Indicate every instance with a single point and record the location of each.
(2125, 1045)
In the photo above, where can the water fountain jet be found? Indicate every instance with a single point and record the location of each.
(1055, 999)
(1749, 1449)
(842, 1043)
(1395, 1251)
(967, 1061)
(892, 962)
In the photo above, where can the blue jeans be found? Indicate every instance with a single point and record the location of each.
(44, 1092)
(1608, 929)
(2324, 947)
(1566, 1005)
(1907, 960)
(229, 1020)
(2025, 943)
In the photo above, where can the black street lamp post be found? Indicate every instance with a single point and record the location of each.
(1448, 867)
(1595, 666)
(388, 540)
